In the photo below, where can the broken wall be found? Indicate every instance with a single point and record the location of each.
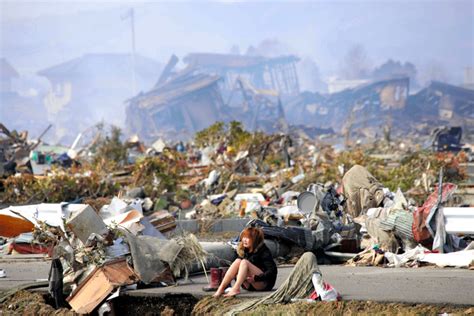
(176, 119)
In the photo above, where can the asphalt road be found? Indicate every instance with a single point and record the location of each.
(21, 271)
(408, 285)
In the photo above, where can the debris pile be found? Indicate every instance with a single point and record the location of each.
(95, 253)
(111, 218)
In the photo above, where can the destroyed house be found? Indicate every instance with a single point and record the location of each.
(258, 109)
(19, 110)
(277, 73)
(368, 109)
(94, 85)
(177, 108)
(444, 104)
(306, 109)
(367, 105)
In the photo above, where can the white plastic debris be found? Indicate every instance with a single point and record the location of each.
(159, 145)
(289, 196)
(249, 197)
(206, 154)
(324, 290)
(241, 155)
(298, 178)
(212, 178)
(287, 210)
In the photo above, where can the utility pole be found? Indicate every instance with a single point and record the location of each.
(131, 14)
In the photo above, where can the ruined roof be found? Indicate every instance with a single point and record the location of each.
(364, 88)
(234, 61)
(182, 85)
(100, 63)
(373, 84)
(457, 91)
(7, 70)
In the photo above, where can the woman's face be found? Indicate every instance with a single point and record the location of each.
(246, 242)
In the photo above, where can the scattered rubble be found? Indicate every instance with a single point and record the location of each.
(110, 219)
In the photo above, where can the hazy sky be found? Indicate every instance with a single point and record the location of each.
(39, 34)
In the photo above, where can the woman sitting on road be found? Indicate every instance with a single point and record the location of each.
(255, 269)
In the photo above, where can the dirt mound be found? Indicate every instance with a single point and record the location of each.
(209, 305)
(27, 303)
(213, 306)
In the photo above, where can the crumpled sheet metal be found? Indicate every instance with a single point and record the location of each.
(149, 253)
(421, 227)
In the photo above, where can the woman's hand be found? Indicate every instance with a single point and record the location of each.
(251, 279)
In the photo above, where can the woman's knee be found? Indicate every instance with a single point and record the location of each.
(244, 263)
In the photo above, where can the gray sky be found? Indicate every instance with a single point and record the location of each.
(38, 34)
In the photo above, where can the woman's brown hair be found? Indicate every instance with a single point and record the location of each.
(255, 235)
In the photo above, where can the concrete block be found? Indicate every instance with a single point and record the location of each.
(188, 225)
(234, 224)
(84, 222)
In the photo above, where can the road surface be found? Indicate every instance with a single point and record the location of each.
(428, 285)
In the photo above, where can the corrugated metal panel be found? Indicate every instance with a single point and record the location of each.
(400, 222)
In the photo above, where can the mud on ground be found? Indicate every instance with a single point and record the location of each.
(28, 303)
(211, 306)
(171, 304)
(31, 303)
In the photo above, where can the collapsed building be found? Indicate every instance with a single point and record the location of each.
(369, 110)
(95, 86)
(19, 109)
(258, 109)
(263, 93)
(443, 104)
(364, 108)
(176, 108)
(184, 102)
(278, 73)
(253, 86)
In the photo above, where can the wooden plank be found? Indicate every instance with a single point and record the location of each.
(99, 284)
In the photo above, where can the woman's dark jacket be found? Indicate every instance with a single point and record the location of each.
(263, 259)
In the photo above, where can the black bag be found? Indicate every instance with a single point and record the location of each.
(55, 279)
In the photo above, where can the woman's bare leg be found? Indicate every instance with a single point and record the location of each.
(246, 269)
(228, 277)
